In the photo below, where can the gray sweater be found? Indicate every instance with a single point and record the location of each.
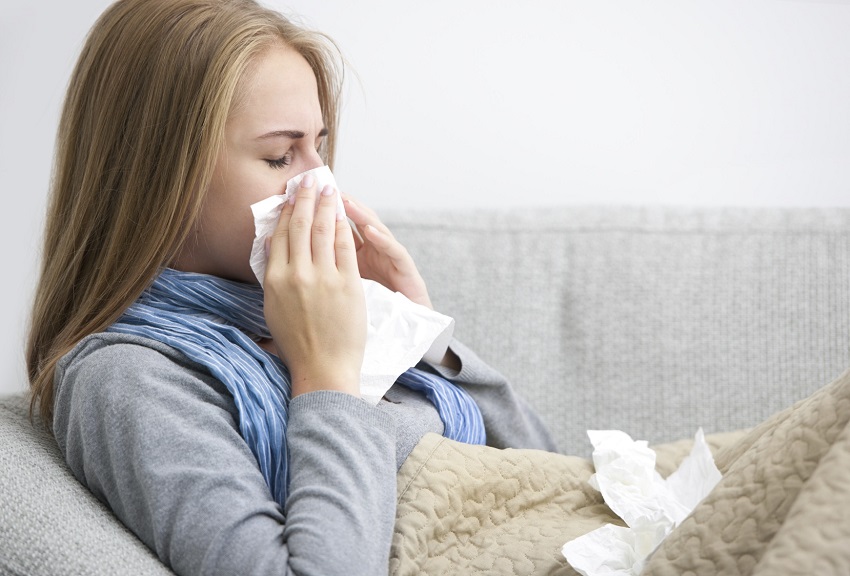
(156, 437)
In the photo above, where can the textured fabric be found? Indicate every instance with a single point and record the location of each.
(210, 319)
(656, 320)
(474, 510)
(781, 506)
(486, 511)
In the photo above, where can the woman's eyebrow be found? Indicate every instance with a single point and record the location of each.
(291, 134)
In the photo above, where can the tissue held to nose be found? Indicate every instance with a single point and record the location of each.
(324, 177)
(400, 333)
(267, 213)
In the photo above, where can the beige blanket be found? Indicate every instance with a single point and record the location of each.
(779, 509)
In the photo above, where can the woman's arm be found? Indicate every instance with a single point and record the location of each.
(157, 440)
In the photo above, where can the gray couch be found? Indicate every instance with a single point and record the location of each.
(650, 320)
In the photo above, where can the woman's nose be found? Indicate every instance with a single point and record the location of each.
(312, 160)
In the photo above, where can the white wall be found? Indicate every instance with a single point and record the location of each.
(463, 103)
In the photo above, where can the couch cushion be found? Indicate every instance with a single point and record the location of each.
(49, 523)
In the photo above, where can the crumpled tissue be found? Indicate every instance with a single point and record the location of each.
(399, 333)
(649, 505)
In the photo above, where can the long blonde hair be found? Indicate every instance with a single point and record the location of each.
(140, 130)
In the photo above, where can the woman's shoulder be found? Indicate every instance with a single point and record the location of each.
(114, 350)
(109, 369)
(109, 356)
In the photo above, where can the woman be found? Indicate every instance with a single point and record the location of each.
(220, 421)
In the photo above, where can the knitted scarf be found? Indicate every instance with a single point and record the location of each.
(215, 323)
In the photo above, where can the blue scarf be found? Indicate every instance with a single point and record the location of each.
(212, 321)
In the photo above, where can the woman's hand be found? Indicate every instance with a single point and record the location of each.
(314, 303)
(382, 258)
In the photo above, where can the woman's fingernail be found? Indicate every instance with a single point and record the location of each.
(327, 190)
(307, 181)
(291, 198)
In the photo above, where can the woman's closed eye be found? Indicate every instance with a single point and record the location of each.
(281, 162)
(286, 159)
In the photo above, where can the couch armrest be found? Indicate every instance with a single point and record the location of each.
(50, 524)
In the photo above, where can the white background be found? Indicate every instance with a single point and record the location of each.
(469, 103)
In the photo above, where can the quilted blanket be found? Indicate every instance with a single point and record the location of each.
(781, 507)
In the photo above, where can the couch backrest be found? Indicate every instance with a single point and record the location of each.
(654, 321)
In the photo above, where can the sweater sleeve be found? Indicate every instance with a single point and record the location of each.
(510, 422)
(157, 440)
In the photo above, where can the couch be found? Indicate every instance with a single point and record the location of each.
(651, 320)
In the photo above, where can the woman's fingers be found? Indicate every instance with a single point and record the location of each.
(308, 227)
(301, 223)
(372, 231)
(324, 227)
(382, 258)
(362, 215)
(355, 233)
(386, 245)
(345, 248)
(377, 235)
(279, 239)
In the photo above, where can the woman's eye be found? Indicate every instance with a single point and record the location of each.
(279, 162)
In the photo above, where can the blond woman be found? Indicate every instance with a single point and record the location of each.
(219, 421)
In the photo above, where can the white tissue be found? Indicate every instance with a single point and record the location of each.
(267, 213)
(649, 505)
(399, 333)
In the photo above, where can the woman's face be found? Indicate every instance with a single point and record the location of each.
(272, 136)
